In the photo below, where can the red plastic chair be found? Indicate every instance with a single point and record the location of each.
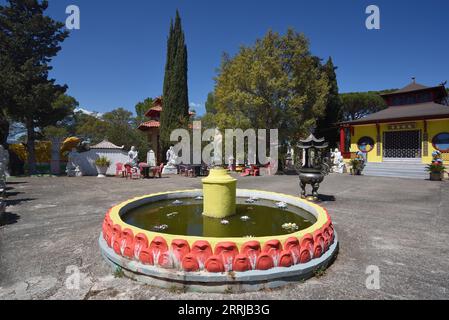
(158, 171)
(246, 172)
(119, 170)
(255, 170)
(131, 172)
(142, 167)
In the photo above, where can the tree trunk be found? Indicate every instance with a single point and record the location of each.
(4, 132)
(31, 147)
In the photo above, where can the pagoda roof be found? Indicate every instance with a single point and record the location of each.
(420, 111)
(149, 124)
(414, 86)
(105, 144)
(153, 112)
(156, 109)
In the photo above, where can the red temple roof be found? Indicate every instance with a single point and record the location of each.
(149, 124)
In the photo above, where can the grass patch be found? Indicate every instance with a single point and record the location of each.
(176, 289)
(228, 290)
(119, 273)
(320, 272)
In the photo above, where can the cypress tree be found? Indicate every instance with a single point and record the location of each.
(326, 126)
(175, 112)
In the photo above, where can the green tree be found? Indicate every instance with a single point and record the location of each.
(141, 108)
(356, 105)
(54, 131)
(327, 124)
(210, 103)
(28, 42)
(276, 83)
(91, 128)
(175, 92)
(118, 126)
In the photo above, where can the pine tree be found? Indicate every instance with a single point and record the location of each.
(175, 112)
(326, 126)
(28, 42)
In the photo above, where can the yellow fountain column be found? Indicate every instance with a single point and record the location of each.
(219, 193)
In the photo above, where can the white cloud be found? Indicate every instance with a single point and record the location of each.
(90, 113)
(195, 105)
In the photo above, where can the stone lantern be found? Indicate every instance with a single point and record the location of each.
(314, 166)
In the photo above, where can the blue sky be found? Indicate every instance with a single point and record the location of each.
(117, 58)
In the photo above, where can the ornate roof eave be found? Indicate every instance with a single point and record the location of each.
(312, 138)
(312, 142)
(323, 146)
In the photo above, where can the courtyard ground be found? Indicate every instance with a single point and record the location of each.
(399, 225)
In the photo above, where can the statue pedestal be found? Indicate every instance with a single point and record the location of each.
(169, 170)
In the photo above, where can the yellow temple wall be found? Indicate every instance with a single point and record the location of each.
(368, 130)
(434, 127)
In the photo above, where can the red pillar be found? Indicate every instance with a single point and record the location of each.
(342, 140)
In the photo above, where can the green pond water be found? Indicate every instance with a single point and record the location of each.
(260, 219)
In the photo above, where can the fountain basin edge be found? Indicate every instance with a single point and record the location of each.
(118, 246)
(247, 281)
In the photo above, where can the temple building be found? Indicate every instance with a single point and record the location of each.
(151, 127)
(415, 123)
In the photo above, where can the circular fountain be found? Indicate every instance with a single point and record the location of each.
(218, 239)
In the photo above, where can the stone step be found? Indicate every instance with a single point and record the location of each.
(417, 169)
(396, 175)
(395, 168)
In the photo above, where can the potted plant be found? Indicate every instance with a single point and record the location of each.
(436, 171)
(102, 164)
(356, 167)
(436, 168)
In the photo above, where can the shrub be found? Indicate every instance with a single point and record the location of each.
(435, 167)
(103, 162)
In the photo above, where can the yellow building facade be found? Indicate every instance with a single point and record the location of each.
(376, 154)
(411, 128)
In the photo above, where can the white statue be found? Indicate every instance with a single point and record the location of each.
(72, 163)
(231, 163)
(133, 155)
(170, 168)
(217, 143)
(151, 158)
(338, 164)
(171, 157)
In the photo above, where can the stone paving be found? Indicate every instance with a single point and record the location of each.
(399, 225)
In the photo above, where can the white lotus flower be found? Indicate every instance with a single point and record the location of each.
(169, 215)
(281, 205)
